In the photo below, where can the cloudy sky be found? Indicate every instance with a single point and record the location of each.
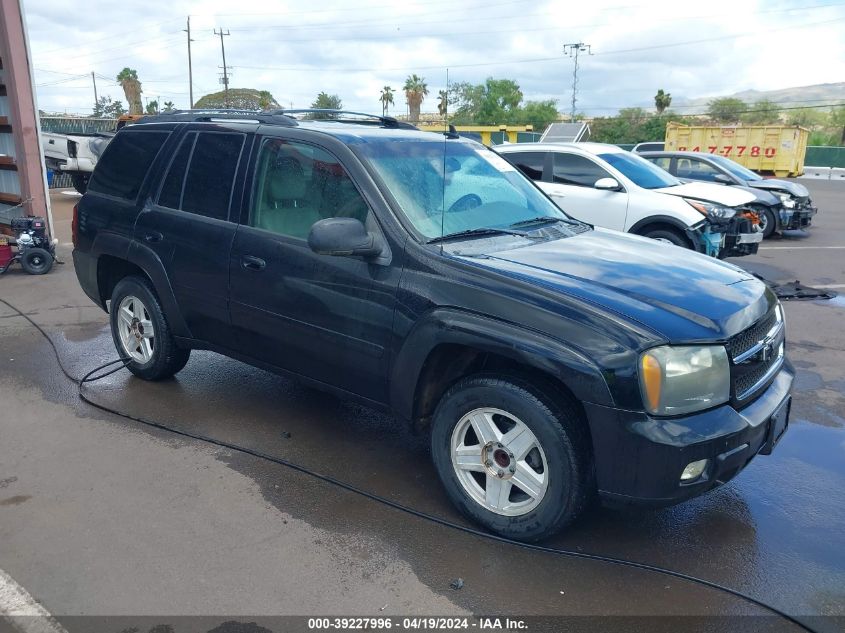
(296, 48)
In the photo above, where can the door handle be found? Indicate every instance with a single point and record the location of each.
(251, 262)
(153, 237)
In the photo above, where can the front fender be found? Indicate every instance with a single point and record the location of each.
(528, 347)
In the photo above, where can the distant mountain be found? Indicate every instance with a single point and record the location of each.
(818, 94)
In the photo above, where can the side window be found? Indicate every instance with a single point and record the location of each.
(661, 161)
(211, 174)
(570, 169)
(529, 163)
(296, 185)
(125, 162)
(171, 189)
(696, 169)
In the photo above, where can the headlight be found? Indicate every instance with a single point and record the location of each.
(786, 200)
(711, 210)
(676, 380)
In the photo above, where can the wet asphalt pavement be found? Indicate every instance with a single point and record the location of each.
(100, 515)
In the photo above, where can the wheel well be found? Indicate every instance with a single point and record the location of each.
(663, 226)
(446, 364)
(110, 270)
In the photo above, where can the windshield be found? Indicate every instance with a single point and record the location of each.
(735, 168)
(639, 170)
(477, 188)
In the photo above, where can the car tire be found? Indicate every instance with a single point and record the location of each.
(667, 235)
(80, 182)
(141, 333)
(484, 476)
(36, 261)
(768, 222)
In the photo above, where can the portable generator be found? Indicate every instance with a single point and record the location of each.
(35, 251)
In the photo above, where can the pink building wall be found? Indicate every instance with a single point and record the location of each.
(22, 111)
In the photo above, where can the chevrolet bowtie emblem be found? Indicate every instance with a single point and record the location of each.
(767, 351)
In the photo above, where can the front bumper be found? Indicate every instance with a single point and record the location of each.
(639, 458)
(798, 218)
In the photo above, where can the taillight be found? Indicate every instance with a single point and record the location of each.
(74, 225)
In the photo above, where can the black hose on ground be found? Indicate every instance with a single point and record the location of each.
(92, 377)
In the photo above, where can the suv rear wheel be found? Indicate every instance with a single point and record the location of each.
(141, 333)
(510, 458)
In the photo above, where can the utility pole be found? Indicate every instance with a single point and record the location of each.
(96, 100)
(572, 50)
(190, 70)
(225, 72)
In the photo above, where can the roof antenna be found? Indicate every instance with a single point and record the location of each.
(452, 133)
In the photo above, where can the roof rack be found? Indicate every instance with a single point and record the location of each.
(352, 117)
(216, 114)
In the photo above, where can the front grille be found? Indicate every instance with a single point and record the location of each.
(762, 356)
(747, 380)
(747, 339)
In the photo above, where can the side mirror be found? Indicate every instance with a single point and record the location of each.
(607, 184)
(342, 237)
(722, 178)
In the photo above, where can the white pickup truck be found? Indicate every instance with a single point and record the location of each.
(74, 154)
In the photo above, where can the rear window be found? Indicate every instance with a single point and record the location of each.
(125, 163)
(529, 163)
(202, 174)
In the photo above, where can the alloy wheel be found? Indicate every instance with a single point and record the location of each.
(137, 333)
(499, 461)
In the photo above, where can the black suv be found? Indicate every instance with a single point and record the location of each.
(422, 274)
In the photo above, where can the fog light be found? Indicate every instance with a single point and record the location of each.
(694, 470)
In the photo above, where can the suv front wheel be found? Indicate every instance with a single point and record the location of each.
(141, 333)
(511, 459)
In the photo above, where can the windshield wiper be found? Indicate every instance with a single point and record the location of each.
(472, 232)
(540, 219)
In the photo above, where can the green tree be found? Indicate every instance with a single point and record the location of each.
(168, 106)
(498, 102)
(386, 98)
(837, 121)
(443, 103)
(325, 101)
(726, 109)
(540, 114)
(806, 117)
(662, 100)
(266, 101)
(152, 107)
(106, 108)
(762, 112)
(416, 90)
(239, 98)
(128, 80)
(466, 99)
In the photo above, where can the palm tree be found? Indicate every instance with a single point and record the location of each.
(415, 91)
(386, 98)
(662, 100)
(128, 79)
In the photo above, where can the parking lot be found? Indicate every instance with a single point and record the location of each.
(102, 515)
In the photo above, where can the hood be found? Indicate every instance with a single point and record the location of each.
(795, 189)
(677, 293)
(761, 196)
(708, 192)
